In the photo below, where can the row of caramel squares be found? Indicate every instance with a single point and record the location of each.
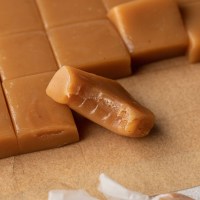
(29, 120)
(80, 35)
(150, 29)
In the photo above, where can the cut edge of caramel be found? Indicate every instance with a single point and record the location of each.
(58, 88)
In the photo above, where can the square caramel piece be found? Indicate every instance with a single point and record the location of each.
(19, 16)
(191, 16)
(151, 29)
(39, 122)
(25, 54)
(62, 12)
(93, 46)
(8, 139)
(112, 3)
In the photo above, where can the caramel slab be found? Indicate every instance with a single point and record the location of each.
(19, 16)
(39, 122)
(151, 29)
(8, 139)
(61, 12)
(91, 46)
(191, 16)
(101, 100)
(25, 54)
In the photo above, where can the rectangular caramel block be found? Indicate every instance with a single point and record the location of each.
(25, 54)
(8, 139)
(91, 46)
(39, 122)
(61, 12)
(191, 16)
(151, 29)
(19, 16)
(101, 100)
(112, 3)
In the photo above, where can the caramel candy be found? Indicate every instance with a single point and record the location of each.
(25, 54)
(18, 16)
(173, 196)
(112, 3)
(191, 16)
(8, 139)
(91, 46)
(151, 29)
(101, 100)
(40, 123)
(61, 12)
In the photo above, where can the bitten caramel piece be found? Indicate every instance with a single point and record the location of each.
(40, 123)
(191, 16)
(25, 54)
(173, 196)
(19, 16)
(112, 3)
(101, 100)
(92, 46)
(61, 12)
(151, 29)
(8, 139)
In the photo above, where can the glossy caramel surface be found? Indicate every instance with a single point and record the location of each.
(93, 46)
(25, 54)
(39, 122)
(101, 100)
(19, 16)
(112, 3)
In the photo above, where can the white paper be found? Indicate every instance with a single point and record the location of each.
(114, 191)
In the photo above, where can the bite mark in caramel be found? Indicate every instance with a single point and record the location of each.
(101, 100)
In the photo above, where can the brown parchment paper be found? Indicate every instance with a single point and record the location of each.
(167, 160)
